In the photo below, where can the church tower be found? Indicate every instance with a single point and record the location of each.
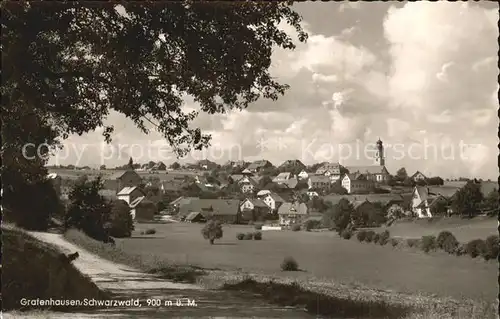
(379, 157)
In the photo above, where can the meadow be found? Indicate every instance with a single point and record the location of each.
(74, 174)
(321, 255)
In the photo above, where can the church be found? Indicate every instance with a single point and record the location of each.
(377, 173)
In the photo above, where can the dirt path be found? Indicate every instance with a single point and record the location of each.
(127, 283)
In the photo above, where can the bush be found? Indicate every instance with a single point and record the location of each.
(428, 243)
(150, 231)
(491, 247)
(412, 242)
(257, 235)
(384, 237)
(361, 235)
(289, 264)
(248, 236)
(476, 247)
(312, 224)
(460, 250)
(394, 242)
(212, 231)
(447, 242)
(258, 226)
(346, 234)
(240, 236)
(120, 223)
(369, 236)
(376, 238)
(295, 227)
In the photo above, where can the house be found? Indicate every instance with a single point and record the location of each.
(302, 175)
(292, 213)
(292, 164)
(421, 199)
(319, 182)
(235, 178)
(160, 166)
(129, 194)
(195, 217)
(142, 209)
(357, 183)
(332, 170)
(282, 177)
(247, 184)
(375, 173)
(56, 181)
(176, 203)
(254, 209)
(418, 176)
(206, 164)
(263, 193)
(224, 210)
(272, 200)
(257, 166)
(246, 172)
(119, 180)
(235, 164)
(312, 194)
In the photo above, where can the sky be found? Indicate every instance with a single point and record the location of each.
(420, 76)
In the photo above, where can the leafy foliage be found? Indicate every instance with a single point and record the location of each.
(289, 264)
(476, 247)
(428, 243)
(257, 235)
(370, 235)
(67, 65)
(88, 210)
(240, 236)
(346, 234)
(121, 223)
(212, 231)
(384, 237)
(342, 214)
(295, 227)
(467, 200)
(446, 241)
(361, 235)
(492, 247)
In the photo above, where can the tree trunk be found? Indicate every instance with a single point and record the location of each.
(211, 241)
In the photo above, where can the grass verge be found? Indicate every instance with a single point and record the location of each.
(322, 297)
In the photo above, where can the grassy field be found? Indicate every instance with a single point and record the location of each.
(463, 229)
(321, 255)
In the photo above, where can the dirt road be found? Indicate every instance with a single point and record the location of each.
(158, 298)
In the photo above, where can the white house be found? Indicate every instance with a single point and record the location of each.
(420, 203)
(354, 183)
(272, 200)
(312, 194)
(302, 175)
(282, 177)
(292, 213)
(129, 194)
(418, 176)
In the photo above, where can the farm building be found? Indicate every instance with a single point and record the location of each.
(129, 194)
(254, 209)
(292, 213)
(143, 209)
(195, 217)
(119, 180)
(224, 210)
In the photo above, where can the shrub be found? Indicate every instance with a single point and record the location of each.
(212, 231)
(412, 242)
(361, 235)
(369, 236)
(257, 235)
(447, 242)
(120, 223)
(295, 227)
(289, 264)
(460, 250)
(346, 234)
(376, 238)
(491, 247)
(476, 247)
(258, 226)
(311, 224)
(441, 238)
(150, 231)
(394, 242)
(248, 236)
(428, 243)
(384, 237)
(240, 236)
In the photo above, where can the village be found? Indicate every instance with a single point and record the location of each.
(289, 194)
